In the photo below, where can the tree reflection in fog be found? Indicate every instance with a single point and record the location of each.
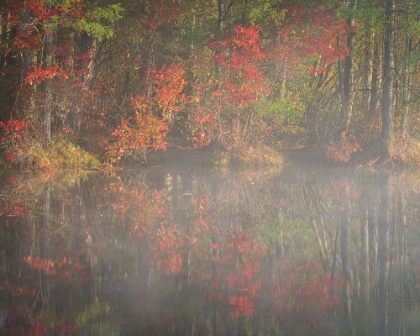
(192, 252)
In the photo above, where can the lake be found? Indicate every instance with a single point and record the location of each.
(180, 248)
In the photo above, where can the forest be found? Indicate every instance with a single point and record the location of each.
(85, 82)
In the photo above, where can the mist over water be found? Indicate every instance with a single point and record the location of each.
(182, 249)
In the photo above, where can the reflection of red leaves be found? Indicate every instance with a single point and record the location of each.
(201, 223)
(305, 286)
(145, 206)
(24, 290)
(9, 157)
(226, 258)
(243, 244)
(215, 283)
(231, 280)
(241, 306)
(38, 263)
(254, 289)
(9, 181)
(15, 209)
(166, 251)
(247, 272)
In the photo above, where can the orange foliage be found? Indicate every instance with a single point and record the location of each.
(137, 135)
(348, 145)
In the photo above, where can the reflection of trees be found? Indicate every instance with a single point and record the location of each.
(383, 254)
(238, 254)
(313, 203)
(46, 286)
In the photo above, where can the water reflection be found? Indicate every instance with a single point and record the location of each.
(192, 252)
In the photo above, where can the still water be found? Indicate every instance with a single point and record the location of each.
(181, 249)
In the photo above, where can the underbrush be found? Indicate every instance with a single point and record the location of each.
(406, 150)
(61, 153)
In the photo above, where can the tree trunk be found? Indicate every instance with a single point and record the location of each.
(388, 74)
(347, 99)
(45, 117)
(374, 87)
(284, 80)
(222, 13)
(88, 46)
(369, 51)
(405, 118)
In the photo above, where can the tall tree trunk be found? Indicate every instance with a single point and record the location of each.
(3, 36)
(347, 99)
(23, 62)
(223, 10)
(374, 87)
(284, 80)
(46, 110)
(244, 18)
(20, 60)
(88, 46)
(367, 81)
(406, 87)
(388, 74)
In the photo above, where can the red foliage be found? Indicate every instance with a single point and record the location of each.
(238, 47)
(169, 83)
(159, 13)
(347, 146)
(218, 103)
(235, 54)
(137, 135)
(307, 32)
(39, 75)
(12, 129)
(147, 129)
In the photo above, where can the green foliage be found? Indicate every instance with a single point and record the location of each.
(266, 12)
(284, 110)
(100, 22)
(71, 155)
